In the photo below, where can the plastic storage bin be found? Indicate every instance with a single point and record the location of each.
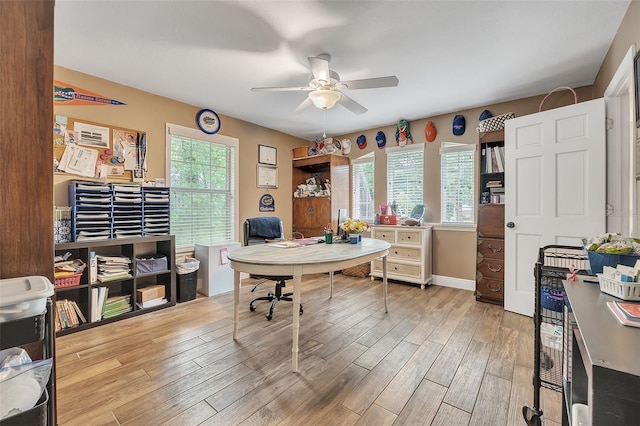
(23, 297)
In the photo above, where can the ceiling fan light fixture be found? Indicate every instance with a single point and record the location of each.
(324, 98)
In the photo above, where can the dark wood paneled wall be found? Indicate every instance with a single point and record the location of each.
(26, 153)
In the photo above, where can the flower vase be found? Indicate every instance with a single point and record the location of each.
(355, 238)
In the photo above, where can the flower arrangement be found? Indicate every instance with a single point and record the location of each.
(354, 226)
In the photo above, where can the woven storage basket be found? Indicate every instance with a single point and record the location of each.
(361, 271)
(495, 123)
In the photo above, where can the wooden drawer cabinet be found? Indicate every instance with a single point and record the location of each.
(409, 257)
(490, 254)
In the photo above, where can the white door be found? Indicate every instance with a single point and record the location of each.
(555, 180)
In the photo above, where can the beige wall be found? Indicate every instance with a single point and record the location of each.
(147, 112)
(628, 34)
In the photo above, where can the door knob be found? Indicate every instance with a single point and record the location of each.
(511, 225)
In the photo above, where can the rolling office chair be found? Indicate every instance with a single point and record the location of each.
(256, 230)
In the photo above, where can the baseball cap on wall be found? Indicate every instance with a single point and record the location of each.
(362, 142)
(430, 131)
(484, 115)
(458, 125)
(381, 139)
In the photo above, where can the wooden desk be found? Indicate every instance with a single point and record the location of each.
(298, 261)
(605, 358)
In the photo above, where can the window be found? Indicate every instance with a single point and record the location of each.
(203, 176)
(457, 182)
(405, 170)
(362, 173)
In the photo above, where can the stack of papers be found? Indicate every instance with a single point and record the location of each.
(112, 268)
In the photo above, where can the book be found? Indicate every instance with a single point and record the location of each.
(152, 302)
(495, 167)
(499, 158)
(631, 311)
(115, 313)
(93, 267)
(620, 316)
(94, 304)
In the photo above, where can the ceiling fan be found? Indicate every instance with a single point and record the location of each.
(325, 88)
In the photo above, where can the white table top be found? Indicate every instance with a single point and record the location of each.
(315, 258)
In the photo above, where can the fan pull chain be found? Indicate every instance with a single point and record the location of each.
(324, 125)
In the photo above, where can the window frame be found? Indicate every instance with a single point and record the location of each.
(457, 149)
(355, 164)
(188, 132)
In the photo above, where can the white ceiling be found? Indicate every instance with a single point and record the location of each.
(448, 55)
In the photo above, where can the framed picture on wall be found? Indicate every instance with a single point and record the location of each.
(267, 176)
(636, 68)
(267, 155)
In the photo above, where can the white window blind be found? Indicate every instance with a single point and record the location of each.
(405, 177)
(457, 181)
(203, 176)
(362, 184)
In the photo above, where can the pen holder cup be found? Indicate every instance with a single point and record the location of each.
(328, 237)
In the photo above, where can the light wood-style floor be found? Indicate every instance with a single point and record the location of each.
(438, 357)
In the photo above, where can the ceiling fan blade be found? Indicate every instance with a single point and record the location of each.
(304, 105)
(320, 68)
(370, 83)
(282, 89)
(351, 105)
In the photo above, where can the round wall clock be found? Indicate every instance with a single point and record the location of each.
(208, 121)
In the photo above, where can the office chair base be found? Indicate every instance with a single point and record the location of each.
(273, 298)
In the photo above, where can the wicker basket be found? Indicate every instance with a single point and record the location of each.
(71, 281)
(360, 271)
(619, 289)
(495, 123)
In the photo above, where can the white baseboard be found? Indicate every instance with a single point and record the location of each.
(453, 282)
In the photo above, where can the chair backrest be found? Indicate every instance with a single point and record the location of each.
(255, 230)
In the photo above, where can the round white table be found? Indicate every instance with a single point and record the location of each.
(264, 259)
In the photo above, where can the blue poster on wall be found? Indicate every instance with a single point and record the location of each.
(267, 203)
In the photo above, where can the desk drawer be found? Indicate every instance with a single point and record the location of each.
(398, 268)
(407, 236)
(490, 289)
(491, 268)
(405, 253)
(491, 248)
(388, 235)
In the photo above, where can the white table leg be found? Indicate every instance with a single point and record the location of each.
(330, 284)
(384, 282)
(296, 321)
(236, 302)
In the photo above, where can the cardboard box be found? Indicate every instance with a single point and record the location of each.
(301, 151)
(149, 293)
(388, 219)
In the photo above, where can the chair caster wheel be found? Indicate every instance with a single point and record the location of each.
(269, 316)
(252, 308)
(301, 311)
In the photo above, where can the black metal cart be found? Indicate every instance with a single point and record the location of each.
(555, 263)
